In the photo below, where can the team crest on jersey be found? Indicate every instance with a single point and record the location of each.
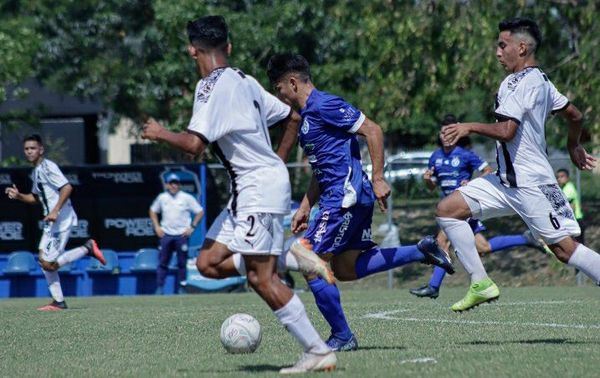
(305, 126)
(207, 84)
(455, 161)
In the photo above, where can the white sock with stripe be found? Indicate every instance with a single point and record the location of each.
(461, 236)
(54, 285)
(587, 261)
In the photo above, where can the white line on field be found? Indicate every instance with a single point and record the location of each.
(386, 315)
(422, 360)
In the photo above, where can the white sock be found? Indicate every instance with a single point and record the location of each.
(54, 285)
(71, 255)
(461, 236)
(293, 317)
(287, 261)
(587, 261)
(238, 262)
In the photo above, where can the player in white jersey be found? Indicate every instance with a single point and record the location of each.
(232, 112)
(52, 190)
(524, 183)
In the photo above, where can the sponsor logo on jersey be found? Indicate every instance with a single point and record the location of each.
(367, 235)
(11, 231)
(305, 126)
(322, 227)
(131, 226)
(342, 230)
(438, 162)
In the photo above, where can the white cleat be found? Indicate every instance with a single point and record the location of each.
(312, 362)
(309, 262)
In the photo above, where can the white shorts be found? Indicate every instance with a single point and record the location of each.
(53, 242)
(249, 233)
(544, 208)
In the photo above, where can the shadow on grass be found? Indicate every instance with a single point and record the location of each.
(531, 342)
(380, 348)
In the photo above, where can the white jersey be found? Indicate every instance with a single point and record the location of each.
(233, 112)
(47, 181)
(175, 211)
(527, 97)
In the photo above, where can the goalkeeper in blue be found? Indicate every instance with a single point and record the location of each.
(340, 234)
(451, 167)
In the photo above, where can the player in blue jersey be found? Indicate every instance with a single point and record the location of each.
(449, 168)
(341, 231)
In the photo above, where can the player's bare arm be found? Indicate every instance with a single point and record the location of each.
(300, 218)
(374, 136)
(197, 218)
(502, 131)
(579, 155)
(289, 135)
(428, 178)
(14, 194)
(157, 229)
(185, 141)
(63, 195)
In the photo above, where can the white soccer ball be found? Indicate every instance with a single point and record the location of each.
(241, 333)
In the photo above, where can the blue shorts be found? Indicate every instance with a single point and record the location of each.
(476, 225)
(338, 230)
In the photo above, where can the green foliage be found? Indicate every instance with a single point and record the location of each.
(404, 63)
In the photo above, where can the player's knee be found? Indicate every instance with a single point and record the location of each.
(259, 282)
(49, 266)
(205, 266)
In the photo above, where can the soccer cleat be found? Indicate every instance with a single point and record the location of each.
(309, 262)
(312, 362)
(94, 251)
(480, 292)
(338, 345)
(434, 254)
(54, 306)
(425, 291)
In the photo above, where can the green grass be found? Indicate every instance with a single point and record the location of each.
(532, 331)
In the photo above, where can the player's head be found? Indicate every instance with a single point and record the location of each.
(33, 148)
(518, 40)
(208, 37)
(447, 119)
(562, 176)
(173, 183)
(290, 75)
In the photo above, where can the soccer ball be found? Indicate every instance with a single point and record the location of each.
(241, 333)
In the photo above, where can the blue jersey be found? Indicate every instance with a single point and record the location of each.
(328, 138)
(450, 169)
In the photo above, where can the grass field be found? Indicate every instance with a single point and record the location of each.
(550, 332)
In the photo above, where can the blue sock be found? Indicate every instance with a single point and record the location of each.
(437, 277)
(327, 297)
(499, 243)
(381, 259)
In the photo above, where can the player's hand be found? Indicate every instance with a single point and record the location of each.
(428, 174)
(159, 232)
(151, 129)
(452, 133)
(382, 192)
(51, 217)
(581, 158)
(300, 220)
(188, 231)
(12, 192)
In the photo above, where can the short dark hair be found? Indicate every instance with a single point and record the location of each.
(281, 64)
(448, 119)
(520, 25)
(208, 32)
(563, 170)
(34, 138)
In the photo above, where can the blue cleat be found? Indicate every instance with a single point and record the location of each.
(338, 345)
(434, 254)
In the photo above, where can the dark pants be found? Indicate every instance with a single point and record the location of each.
(168, 245)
